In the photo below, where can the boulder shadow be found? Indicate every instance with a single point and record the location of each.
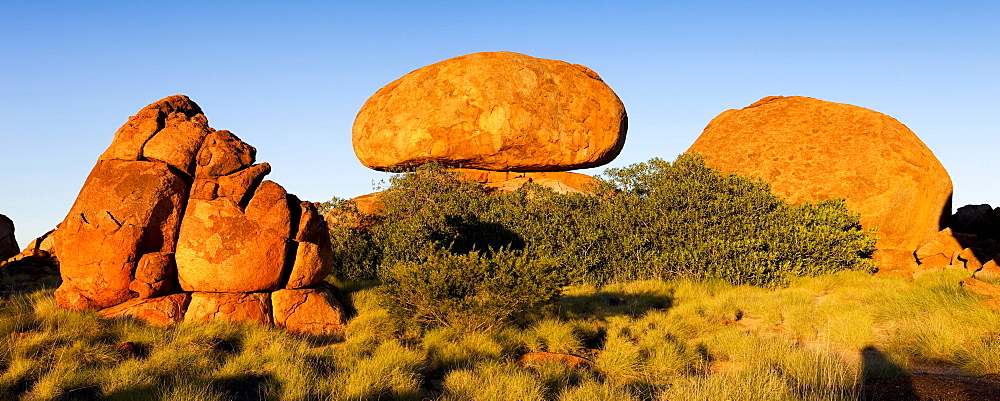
(883, 379)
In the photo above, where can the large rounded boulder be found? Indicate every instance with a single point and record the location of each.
(493, 111)
(809, 150)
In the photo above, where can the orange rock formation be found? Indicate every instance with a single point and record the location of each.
(177, 222)
(810, 150)
(495, 111)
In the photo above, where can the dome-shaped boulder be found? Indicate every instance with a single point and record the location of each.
(810, 150)
(492, 111)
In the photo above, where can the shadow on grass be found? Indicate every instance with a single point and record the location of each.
(605, 304)
(884, 380)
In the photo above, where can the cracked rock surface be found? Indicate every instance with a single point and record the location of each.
(177, 222)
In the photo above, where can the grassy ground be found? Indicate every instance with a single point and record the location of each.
(649, 340)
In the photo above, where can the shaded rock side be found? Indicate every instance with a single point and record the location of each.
(8, 243)
(155, 275)
(310, 311)
(253, 307)
(125, 210)
(492, 111)
(160, 311)
(508, 181)
(810, 150)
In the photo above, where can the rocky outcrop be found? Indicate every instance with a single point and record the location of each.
(177, 222)
(809, 150)
(8, 243)
(496, 111)
(125, 210)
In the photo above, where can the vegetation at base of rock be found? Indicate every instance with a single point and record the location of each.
(648, 220)
(816, 338)
(470, 291)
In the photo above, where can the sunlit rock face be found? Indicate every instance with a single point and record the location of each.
(810, 150)
(497, 111)
(176, 222)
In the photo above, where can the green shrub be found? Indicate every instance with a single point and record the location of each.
(686, 219)
(648, 220)
(470, 291)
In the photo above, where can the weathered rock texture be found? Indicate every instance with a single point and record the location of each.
(810, 150)
(496, 111)
(313, 310)
(177, 222)
(8, 243)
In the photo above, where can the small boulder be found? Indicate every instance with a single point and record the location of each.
(938, 250)
(240, 185)
(989, 271)
(155, 275)
(231, 307)
(223, 153)
(981, 287)
(309, 311)
(160, 311)
(494, 111)
(178, 141)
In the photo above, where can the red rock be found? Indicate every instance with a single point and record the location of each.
(897, 261)
(223, 153)
(178, 141)
(160, 311)
(222, 250)
(155, 275)
(125, 209)
(492, 111)
(8, 243)
(130, 138)
(253, 307)
(309, 311)
(205, 189)
(810, 150)
(269, 207)
(510, 181)
(989, 271)
(969, 259)
(239, 186)
(981, 287)
(314, 252)
(938, 250)
(311, 224)
(313, 262)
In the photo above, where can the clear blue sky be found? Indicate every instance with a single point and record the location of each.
(289, 77)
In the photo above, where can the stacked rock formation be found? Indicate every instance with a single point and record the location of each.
(503, 119)
(177, 222)
(810, 150)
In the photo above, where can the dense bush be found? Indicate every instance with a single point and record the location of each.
(470, 292)
(648, 220)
